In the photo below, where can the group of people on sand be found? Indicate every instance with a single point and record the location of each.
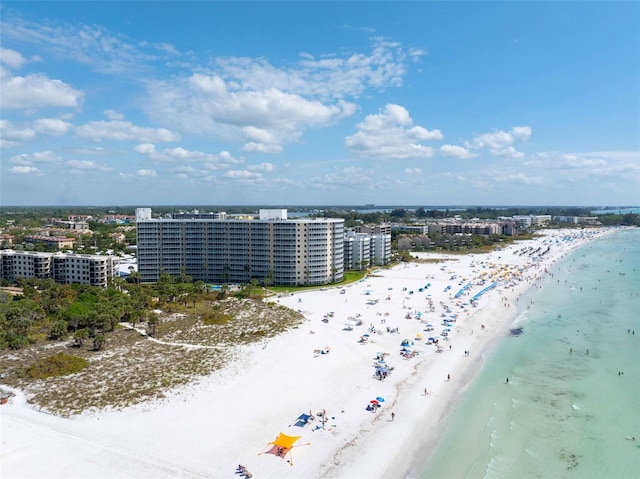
(243, 471)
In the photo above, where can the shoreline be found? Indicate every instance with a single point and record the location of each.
(229, 418)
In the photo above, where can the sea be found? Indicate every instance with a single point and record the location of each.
(571, 406)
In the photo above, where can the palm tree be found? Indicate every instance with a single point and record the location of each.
(79, 337)
(152, 321)
(98, 342)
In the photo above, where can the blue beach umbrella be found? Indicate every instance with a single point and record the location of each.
(379, 399)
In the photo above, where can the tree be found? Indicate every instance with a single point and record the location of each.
(254, 286)
(80, 337)
(184, 277)
(398, 213)
(152, 321)
(268, 281)
(59, 330)
(134, 276)
(98, 342)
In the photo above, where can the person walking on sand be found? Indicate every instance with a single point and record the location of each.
(393, 416)
(448, 377)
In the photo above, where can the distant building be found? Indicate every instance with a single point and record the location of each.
(65, 268)
(383, 228)
(588, 220)
(6, 240)
(53, 242)
(72, 225)
(540, 220)
(117, 237)
(117, 219)
(415, 229)
(524, 221)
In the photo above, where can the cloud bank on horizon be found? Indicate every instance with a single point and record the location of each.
(217, 103)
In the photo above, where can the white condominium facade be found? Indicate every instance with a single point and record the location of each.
(362, 250)
(65, 268)
(274, 248)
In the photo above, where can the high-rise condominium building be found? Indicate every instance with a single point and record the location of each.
(273, 248)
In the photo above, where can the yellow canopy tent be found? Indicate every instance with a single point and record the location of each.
(282, 446)
(285, 441)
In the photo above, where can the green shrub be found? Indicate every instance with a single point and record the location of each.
(215, 317)
(60, 364)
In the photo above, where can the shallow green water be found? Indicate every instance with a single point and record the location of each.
(563, 414)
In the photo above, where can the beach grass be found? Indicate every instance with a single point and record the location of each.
(189, 343)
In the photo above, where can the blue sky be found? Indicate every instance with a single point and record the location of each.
(320, 103)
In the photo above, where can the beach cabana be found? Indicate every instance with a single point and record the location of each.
(282, 446)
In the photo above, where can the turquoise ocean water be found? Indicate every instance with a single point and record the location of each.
(563, 414)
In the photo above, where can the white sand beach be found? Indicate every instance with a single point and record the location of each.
(326, 365)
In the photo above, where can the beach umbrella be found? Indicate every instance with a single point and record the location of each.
(373, 401)
(380, 399)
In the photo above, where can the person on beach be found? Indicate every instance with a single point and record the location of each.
(393, 416)
(507, 381)
(448, 377)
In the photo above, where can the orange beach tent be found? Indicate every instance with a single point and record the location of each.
(286, 443)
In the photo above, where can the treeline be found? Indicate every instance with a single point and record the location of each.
(48, 311)
(353, 218)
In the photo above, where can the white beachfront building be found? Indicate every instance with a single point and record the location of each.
(65, 268)
(272, 248)
(362, 250)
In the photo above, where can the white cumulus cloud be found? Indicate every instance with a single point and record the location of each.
(413, 172)
(500, 142)
(23, 170)
(261, 167)
(266, 106)
(390, 135)
(51, 126)
(169, 155)
(124, 130)
(36, 91)
(14, 135)
(147, 173)
(46, 156)
(454, 151)
(11, 58)
(86, 165)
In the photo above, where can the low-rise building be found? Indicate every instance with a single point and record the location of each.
(6, 240)
(65, 268)
(53, 242)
